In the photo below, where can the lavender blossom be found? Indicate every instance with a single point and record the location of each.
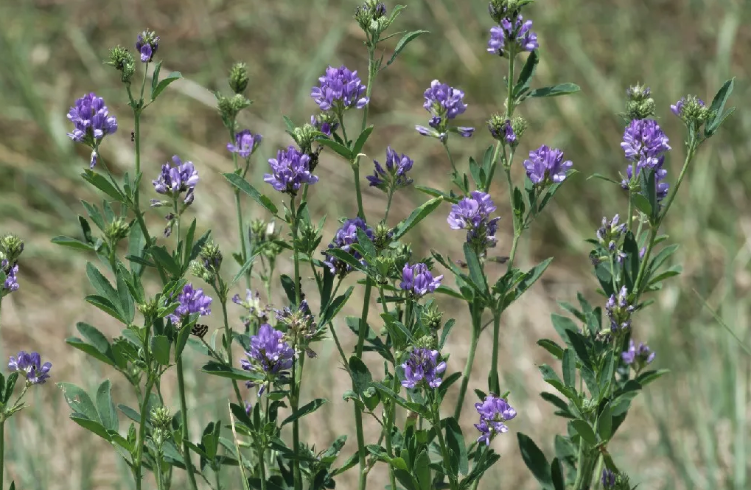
(268, 352)
(291, 169)
(692, 102)
(444, 103)
(423, 366)
(174, 180)
(394, 176)
(546, 166)
(607, 479)
(245, 143)
(345, 237)
(493, 413)
(516, 33)
(191, 301)
(644, 142)
(473, 214)
(502, 130)
(30, 365)
(609, 236)
(418, 280)
(248, 408)
(91, 121)
(640, 356)
(11, 281)
(339, 89)
(147, 45)
(324, 123)
(661, 188)
(619, 311)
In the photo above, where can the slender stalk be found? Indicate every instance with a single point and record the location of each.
(517, 228)
(470, 360)
(296, 373)
(356, 170)
(446, 460)
(391, 408)
(509, 113)
(158, 471)
(184, 428)
(494, 163)
(362, 483)
(371, 79)
(2, 452)
(262, 449)
(229, 335)
(451, 158)
(239, 212)
(388, 207)
(494, 383)
(584, 468)
(140, 438)
(137, 141)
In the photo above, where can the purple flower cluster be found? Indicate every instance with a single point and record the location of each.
(677, 109)
(607, 479)
(473, 214)
(268, 352)
(345, 237)
(147, 45)
(418, 280)
(641, 356)
(423, 366)
(494, 411)
(30, 364)
(503, 131)
(252, 303)
(394, 176)
(644, 144)
(91, 121)
(339, 89)
(291, 169)
(443, 103)
(174, 180)
(546, 166)
(609, 235)
(245, 143)
(324, 123)
(619, 311)
(191, 301)
(11, 272)
(517, 33)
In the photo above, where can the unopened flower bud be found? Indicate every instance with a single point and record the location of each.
(211, 256)
(150, 309)
(383, 236)
(121, 59)
(117, 230)
(238, 78)
(12, 247)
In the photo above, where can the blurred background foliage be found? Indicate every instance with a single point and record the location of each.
(690, 431)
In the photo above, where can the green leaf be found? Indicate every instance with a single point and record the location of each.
(475, 269)
(556, 473)
(551, 347)
(172, 77)
(338, 148)
(406, 479)
(406, 39)
(422, 470)
(345, 257)
(104, 185)
(305, 410)
(415, 217)
(642, 204)
(231, 373)
(535, 460)
(718, 107)
(95, 338)
(136, 244)
(551, 377)
(106, 408)
(90, 425)
(648, 376)
(89, 349)
(182, 339)
(105, 305)
(605, 423)
(155, 78)
(455, 442)
(160, 347)
(603, 177)
(10, 384)
(525, 77)
(569, 369)
(103, 287)
(579, 343)
(532, 276)
(585, 431)
(72, 243)
(561, 89)
(563, 325)
(127, 305)
(361, 377)
(248, 189)
(79, 401)
(360, 143)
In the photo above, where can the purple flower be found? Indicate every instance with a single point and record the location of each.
(291, 169)
(619, 310)
(418, 280)
(677, 109)
(147, 45)
(423, 365)
(191, 301)
(339, 89)
(345, 237)
(268, 352)
(502, 131)
(174, 180)
(546, 165)
(30, 364)
(493, 413)
(245, 143)
(641, 356)
(644, 142)
(609, 236)
(394, 176)
(11, 272)
(91, 120)
(473, 214)
(444, 103)
(324, 123)
(607, 479)
(517, 32)
(252, 303)
(248, 408)
(661, 188)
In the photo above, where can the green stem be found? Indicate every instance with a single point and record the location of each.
(391, 408)
(356, 170)
(158, 471)
(493, 165)
(369, 88)
(140, 438)
(262, 449)
(2, 452)
(229, 336)
(137, 138)
(451, 158)
(239, 212)
(388, 207)
(358, 412)
(446, 460)
(494, 383)
(184, 428)
(517, 229)
(470, 360)
(296, 373)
